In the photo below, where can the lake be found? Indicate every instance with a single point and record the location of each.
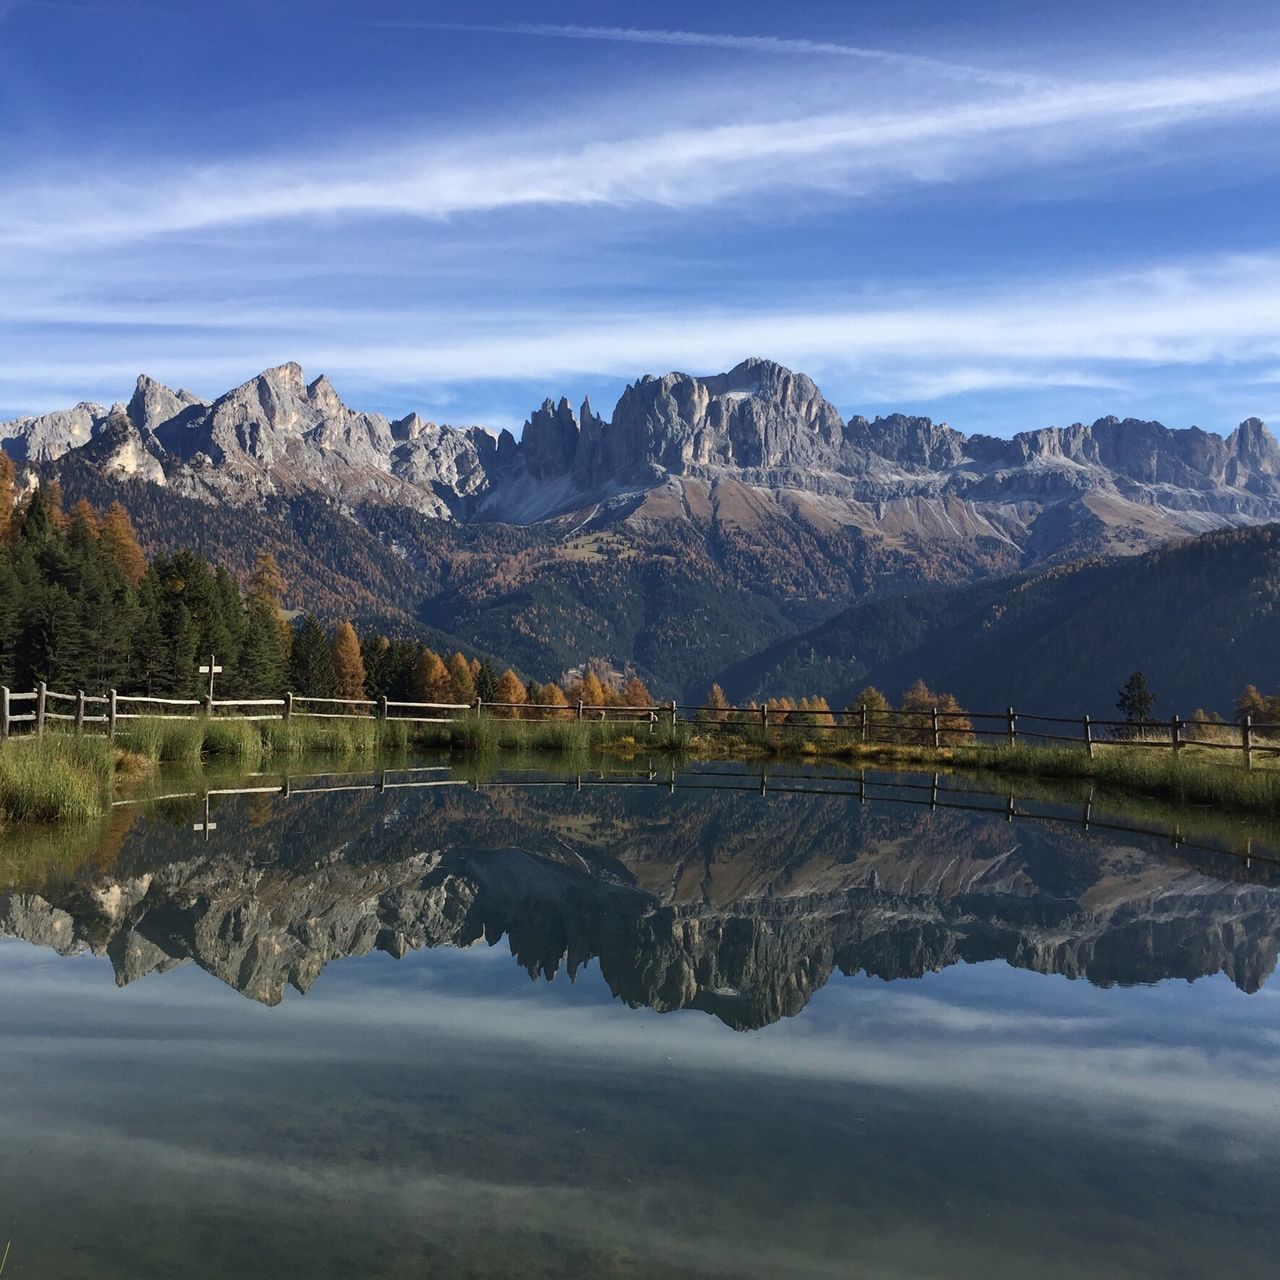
(705, 1022)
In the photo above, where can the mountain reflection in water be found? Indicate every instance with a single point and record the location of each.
(714, 898)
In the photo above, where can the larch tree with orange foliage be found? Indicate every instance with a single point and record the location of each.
(121, 544)
(511, 690)
(7, 492)
(462, 681)
(348, 664)
(431, 680)
(553, 696)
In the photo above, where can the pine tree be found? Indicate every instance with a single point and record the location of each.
(121, 544)
(464, 683)
(1135, 700)
(486, 680)
(311, 671)
(510, 689)
(348, 666)
(262, 657)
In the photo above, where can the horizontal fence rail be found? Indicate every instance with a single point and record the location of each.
(872, 726)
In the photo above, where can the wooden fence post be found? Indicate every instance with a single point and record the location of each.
(382, 707)
(79, 710)
(206, 705)
(1246, 741)
(42, 691)
(480, 704)
(1013, 727)
(1088, 736)
(4, 711)
(111, 715)
(937, 741)
(674, 715)
(862, 712)
(579, 708)
(288, 705)
(1175, 730)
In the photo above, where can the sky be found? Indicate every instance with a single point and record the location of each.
(1002, 215)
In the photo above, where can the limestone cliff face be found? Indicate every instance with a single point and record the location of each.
(759, 428)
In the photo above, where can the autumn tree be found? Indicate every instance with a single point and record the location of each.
(879, 718)
(553, 696)
(431, 682)
(121, 544)
(716, 707)
(915, 716)
(591, 691)
(634, 694)
(348, 665)
(7, 475)
(462, 682)
(510, 689)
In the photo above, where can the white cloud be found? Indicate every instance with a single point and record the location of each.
(853, 152)
(783, 45)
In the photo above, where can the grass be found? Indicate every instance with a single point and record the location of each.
(64, 776)
(57, 778)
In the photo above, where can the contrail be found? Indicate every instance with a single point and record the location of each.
(749, 44)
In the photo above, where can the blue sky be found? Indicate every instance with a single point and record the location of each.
(1002, 215)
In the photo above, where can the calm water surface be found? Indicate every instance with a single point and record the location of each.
(626, 1030)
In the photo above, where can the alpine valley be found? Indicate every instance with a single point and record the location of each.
(709, 520)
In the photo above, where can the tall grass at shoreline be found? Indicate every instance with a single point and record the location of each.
(63, 775)
(56, 778)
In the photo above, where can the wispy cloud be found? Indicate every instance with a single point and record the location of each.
(851, 153)
(784, 45)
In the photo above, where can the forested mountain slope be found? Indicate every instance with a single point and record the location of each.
(1200, 617)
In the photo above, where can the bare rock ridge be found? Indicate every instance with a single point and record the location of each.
(759, 428)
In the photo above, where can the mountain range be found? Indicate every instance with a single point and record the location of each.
(708, 519)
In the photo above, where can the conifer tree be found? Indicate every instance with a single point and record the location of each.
(311, 671)
(879, 716)
(510, 689)
(716, 705)
(121, 544)
(634, 694)
(1135, 700)
(262, 658)
(7, 475)
(464, 683)
(431, 682)
(486, 680)
(348, 666)
(591, 691)
(553, 696)
(52, 489)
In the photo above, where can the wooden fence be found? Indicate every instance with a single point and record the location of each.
(873, 726)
